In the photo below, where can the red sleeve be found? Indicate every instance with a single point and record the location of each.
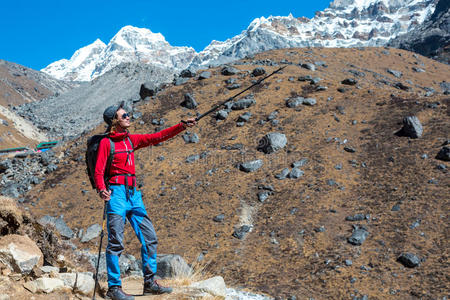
(102, 157)
(144, 140)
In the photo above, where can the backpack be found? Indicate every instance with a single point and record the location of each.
(91, 156)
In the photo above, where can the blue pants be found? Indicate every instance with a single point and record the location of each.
(119, 208)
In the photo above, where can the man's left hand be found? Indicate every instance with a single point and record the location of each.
(190, 122)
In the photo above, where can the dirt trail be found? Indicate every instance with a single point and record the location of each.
(23, 126)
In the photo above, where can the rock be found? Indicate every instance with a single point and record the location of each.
(262, 196)
(172, 265)
(190, 138)
(204, 75)
(92, 232)
(187, 73)
(294, 102)
(19, 253)
(397, 74)
(51, 168)
(251, 166)
(349, 81)
(418, 70)
(359, 235)
(78, 282)
(233, 86)
(48, 285)
(308, 66)
(445, 87)
(179, 81)
(243, 103)
(409, 260)
(444, 154)
(241, 232)
(305, 78)
(148, 89)
(189, 101)
(228, 70)
(272, 142)
(258, 71)
(192, 158)
(214, 286)
(295, 173)
(59, 224)
(11, 190)
(283, 174)
(219, 218)
(401, 86)
(411, 127)
(300, 163)
(50, 269)
(244, 117)
(357, 217)
(309, 101)
(222, 114)
(350, 149)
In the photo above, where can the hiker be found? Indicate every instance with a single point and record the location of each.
(123, 200)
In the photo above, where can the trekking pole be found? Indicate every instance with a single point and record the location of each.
(240, 93)
(100, 250)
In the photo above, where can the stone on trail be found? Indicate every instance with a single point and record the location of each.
(187, 73)
(48, 285)
(19, 253)
(59, 224)
(241, 232)
(222, 114)
(349, 81)
(272, 142)
(309, 66)
(214, 286)
(397, 74)
(78, 282)
(295, 173)
(251, 166)
(409, 260)
(283, 174)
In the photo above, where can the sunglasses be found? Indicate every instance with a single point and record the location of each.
(125, 115)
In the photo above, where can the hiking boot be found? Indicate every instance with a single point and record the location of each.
(115, 293)
(154, 288)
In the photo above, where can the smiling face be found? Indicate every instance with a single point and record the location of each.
(123, 118)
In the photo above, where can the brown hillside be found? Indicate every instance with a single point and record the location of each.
(287, 253)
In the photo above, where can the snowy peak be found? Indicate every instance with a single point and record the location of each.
(129, 45)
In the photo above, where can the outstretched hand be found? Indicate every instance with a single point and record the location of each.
(190, 122)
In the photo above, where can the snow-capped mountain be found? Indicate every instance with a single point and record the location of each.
(346, 23)
(129, 45)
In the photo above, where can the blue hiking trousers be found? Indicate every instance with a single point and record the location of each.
(129, 206)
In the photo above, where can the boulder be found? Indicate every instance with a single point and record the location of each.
(148, 89)
(251, 166)
(349, 81)
(228, 70)
(222, 114)
(59, 224)
(172, 265)
(187, 73)
(204, 75)
(48, 285)
(241, 232)
(78, 282)
(19, 253)
(411, 127)
(444, 154)
(258, 71)
(92, 232)
(397, 74)
(272, 142)
(243, 103)
(359, 235)
(214, 286)
(409, 260)
(309, 66)
(189, 101)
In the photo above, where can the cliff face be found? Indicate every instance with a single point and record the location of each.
(432, 38)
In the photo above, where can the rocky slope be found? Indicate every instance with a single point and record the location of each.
(346, 23)
(81, 109)
(339, 204)
(432, 38)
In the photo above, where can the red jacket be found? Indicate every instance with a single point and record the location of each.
(123, 163)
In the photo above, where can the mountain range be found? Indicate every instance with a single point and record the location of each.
(346, 23)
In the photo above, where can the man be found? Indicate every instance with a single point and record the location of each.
(124, 201)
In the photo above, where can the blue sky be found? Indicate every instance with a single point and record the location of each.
(35, 33)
